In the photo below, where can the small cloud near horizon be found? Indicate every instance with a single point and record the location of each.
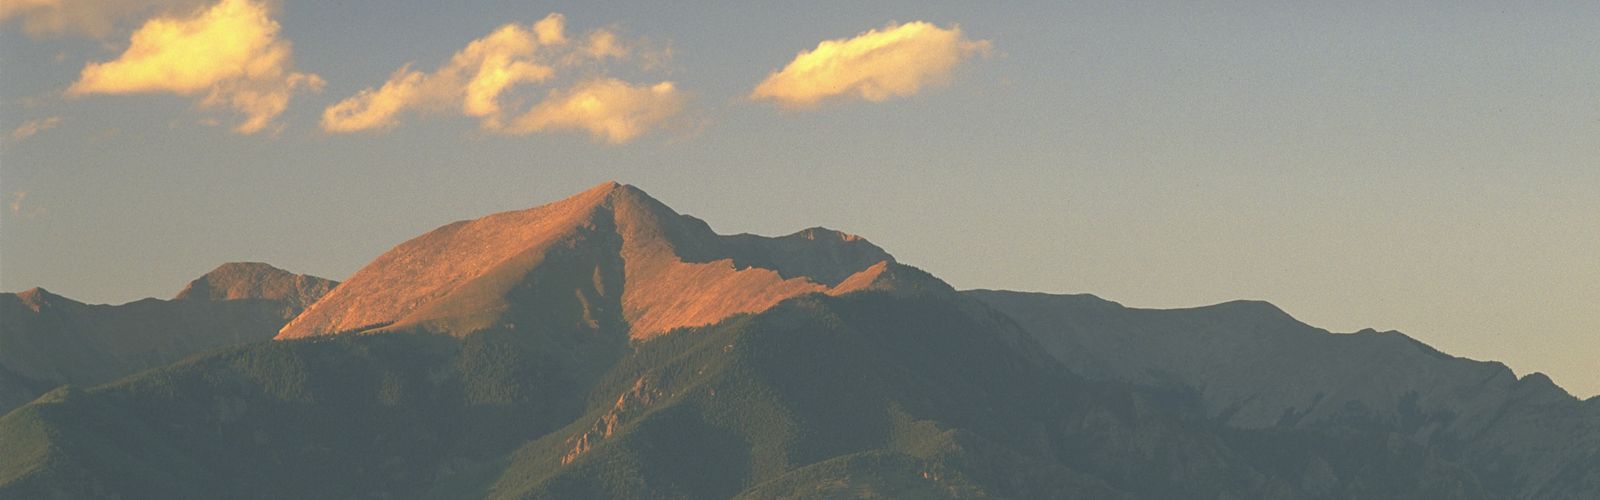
(32, 127)
(481, 82)
(896, 61)
(229, 54)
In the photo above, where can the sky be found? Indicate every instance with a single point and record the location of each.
(1428, 167)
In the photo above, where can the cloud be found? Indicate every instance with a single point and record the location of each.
(21, 209)
(475, 78)
(376, 109)
(229, 54)
(92, 18)
(609, 109)
(31, 127)
(897, 61)
(551, 30)
(482, 81)
(603, 43)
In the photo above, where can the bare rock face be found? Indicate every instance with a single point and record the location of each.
(628, 405)
(609, 258)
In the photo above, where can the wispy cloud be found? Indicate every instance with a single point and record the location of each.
(896, 61)
(92, 18)
(31, 127)
(229, 54)
(482, 81)
(21, 209)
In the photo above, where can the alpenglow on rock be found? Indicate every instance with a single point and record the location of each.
(609, 258)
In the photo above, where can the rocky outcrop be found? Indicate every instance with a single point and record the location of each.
(629, 404)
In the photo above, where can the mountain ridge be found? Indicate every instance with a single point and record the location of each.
(606, 346)
(880, 394)
(48, 339)
(1263, 369)
(1267, 308)
(256, 280)
(638, 260)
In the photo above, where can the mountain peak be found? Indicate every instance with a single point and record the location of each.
(256, 280)
(607, 193)
(610, 257)
(604, 191)
(819, 232)
(37, 297)
(34, 293)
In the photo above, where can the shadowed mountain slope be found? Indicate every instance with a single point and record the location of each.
(873, 394)
(1253, 366)
(48, 340)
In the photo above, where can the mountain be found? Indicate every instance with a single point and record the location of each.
(1250, 365)
(869, 394)
(258, 281)
(48, 340)
(605, 346)
(611, 255)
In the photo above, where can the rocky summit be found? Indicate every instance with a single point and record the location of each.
(611, 255)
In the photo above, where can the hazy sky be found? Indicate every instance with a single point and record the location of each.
(1430, 167)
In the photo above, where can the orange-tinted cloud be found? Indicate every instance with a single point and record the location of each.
(481, 81)
(377, 108)
(896, 61)
(229, 53)
(473, 79)
(21, 208)
(31, 127)
(93, 18)
(609, 109)
(552, 30)
(603, 43)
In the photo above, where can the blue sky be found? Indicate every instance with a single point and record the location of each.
(1431, 167)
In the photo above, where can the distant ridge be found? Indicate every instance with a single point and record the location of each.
(257, 280)
(47, 339)
(1250, 365)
